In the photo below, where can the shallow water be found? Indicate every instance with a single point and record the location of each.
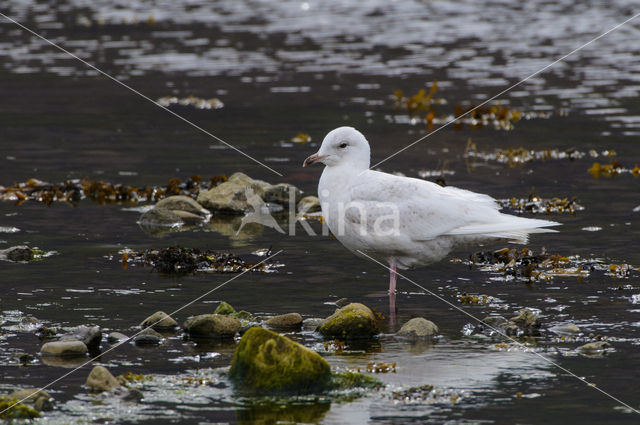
(287, 67)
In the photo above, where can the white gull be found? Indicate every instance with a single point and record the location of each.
(402, 221)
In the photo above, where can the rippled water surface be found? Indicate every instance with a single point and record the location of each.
(281, 68)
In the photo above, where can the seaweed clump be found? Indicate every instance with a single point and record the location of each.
(535, 204)
(10, 409)
(613, 169)
(181, 260)
(74, 191)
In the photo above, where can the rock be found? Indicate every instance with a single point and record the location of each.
(312, 323)
(308, 204)
(64, 349)
(159, 321)
(148, 337)
(342, 302)
(133, 396)
(281, 193)
(267, 362)
(91, 336)
(352, 321)
(115, 337)
(224, 308)
(285, 321)
(158, 219)
(231, 196)
(43, 404)
(17, 253)
(10, 410)
(25, 358)
(30, 395)
(417, 328)
(527, 321)
(594, 347)
(567, 329)
(184, 207)
(100, 379)
(212, 326)
(243, 315)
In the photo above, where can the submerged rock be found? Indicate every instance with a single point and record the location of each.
(528, 322)
(64, 349)
(267, 362)
(148, 337)
(159, 321)
(212, 326)
(158, 219)
(350, 322)
(100, 379)
(596, 348)
(91, 336)
(567, 329)
(18, 253)
(417, 328)
(285, 321)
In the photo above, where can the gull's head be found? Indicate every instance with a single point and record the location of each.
(343, 146)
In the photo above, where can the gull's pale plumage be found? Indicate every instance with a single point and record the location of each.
(431, 220)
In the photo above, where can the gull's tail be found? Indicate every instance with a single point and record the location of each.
(516, 229)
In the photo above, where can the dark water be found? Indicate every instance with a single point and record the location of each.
(289, 67)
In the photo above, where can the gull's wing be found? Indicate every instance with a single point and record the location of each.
(426, 210)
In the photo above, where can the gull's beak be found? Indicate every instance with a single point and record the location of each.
(313, 159)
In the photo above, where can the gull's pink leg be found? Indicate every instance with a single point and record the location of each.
(392, 291)
(392, 276)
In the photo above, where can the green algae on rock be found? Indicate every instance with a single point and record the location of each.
(267, 362)
(224, 308)
(353, 321)
(11, 409)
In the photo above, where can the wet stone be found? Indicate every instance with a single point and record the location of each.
(181, 204)
(30, 395)
(100, 379)
(64, 349)
(212, 326)
(418, 328)
(594, 347)
(285, 321)
(267, 362)
(18, 253)
(115, 337)
(233, 196)
(350, 322)
(91, 336)
(312, 322)
(281, 194)
(160, 218)
(148, 337)
(224, 308)
(528, 322)
(308, 204)
(159, 321)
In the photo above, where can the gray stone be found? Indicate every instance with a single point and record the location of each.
(91, 336)
(285, 321)
(64, 349)
(212, 326)
(281, 193)
(231, 196)
(417, 328)
(159, 219)
(159, 321)
(115, 337)
(312, 322)
(148, 337)
(40, 399)
(350, 322)
(308, 204)
(185, 207)
(100, 379)
(567, 329)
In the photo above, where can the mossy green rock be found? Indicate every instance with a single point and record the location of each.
(352, 321)
(224, 308)
(10, 410)
(267, 362)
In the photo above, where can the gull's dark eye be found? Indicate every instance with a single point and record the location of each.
(343, 145)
